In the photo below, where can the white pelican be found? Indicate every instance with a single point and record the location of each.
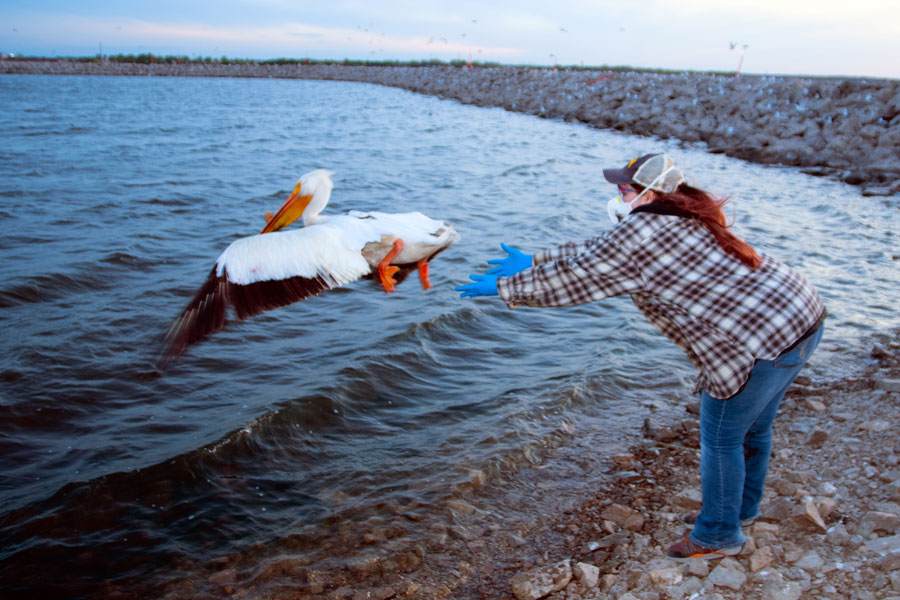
(268, 270)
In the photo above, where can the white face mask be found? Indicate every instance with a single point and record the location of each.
(618, 209)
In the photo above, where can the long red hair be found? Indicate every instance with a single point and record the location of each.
(708, 210)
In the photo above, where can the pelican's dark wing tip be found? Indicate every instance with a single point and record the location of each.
(204, 314)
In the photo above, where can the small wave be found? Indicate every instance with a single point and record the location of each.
(46, 288)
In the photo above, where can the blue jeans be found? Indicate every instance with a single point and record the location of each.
(735, 445)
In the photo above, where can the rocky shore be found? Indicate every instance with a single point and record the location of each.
(845, 128)
(830, 527)
(829, 530)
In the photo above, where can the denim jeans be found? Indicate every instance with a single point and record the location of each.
(735, 445)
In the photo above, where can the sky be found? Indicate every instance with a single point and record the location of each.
(815, 37)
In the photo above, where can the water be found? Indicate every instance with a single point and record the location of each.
(351, 424)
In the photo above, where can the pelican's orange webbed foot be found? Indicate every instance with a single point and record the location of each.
(268, 216)
(423, 274)
(386, 270)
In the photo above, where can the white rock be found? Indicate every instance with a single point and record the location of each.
(724, 575)
(762, 558)
(542, 581)
(810, 562)
(666, 577)
(774, 589)
(587, 574)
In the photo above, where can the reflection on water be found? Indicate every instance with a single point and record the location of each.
(353, 425)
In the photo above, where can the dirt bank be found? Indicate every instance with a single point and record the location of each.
(844, 128)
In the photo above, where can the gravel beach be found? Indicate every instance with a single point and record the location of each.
(829, 530)
(845, 128)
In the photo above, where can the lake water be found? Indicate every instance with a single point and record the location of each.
(354, 424)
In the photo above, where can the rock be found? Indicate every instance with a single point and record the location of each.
(617, 513)
(817, 438)
(665, 577)
(874, 521)
(728, 573)
(777, 589)
(763, 527)
(223, 577)
(878, 426)
(461, 506)
(838, 535)
(762, 558)
(629, 476)
(815, 404)
(542, 581)
(879, 351)
(587, 574)
(698, 567)
(889, 562)
(812, 513)
(689, 499)
(624, 460)
(884, 545)
(689, 588)
(778, 509)
(826, 506)
(784, 487)
(890, 385)
(810, 562)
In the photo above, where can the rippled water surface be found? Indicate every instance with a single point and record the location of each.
(355, 421)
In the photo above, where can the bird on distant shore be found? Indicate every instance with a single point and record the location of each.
(276, 268)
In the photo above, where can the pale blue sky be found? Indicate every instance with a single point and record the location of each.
(824, 37)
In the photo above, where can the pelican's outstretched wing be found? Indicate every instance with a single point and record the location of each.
(263, 272)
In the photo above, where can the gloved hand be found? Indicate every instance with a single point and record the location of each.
(485, 285)
(512, 264)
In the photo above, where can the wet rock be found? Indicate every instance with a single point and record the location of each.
(224, 577)
(542, 581)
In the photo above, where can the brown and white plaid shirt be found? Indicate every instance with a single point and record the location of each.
(723, 314)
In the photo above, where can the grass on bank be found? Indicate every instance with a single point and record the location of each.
(224, 60)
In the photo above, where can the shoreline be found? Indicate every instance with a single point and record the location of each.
(841, 128)
(829, 530)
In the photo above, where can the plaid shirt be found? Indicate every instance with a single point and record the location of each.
(723, 314)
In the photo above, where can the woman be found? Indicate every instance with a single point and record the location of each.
(747, 321)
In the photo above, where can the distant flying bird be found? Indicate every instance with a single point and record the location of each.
(276, 268)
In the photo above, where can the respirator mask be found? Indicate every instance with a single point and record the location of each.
(618, 209)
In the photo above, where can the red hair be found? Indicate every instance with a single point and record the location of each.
(708, 210)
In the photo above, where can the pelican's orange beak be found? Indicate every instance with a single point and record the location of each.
(290, 211)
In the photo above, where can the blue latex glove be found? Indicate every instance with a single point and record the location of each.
(512, 264)
(485, 285)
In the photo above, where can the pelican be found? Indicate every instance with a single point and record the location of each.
(275, 268)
